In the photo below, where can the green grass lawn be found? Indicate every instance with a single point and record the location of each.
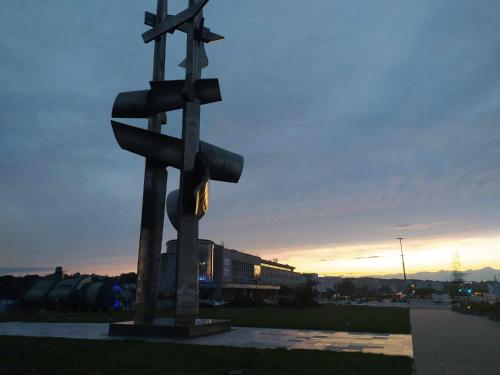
(27, 355)
(67, 317)
(325, 317)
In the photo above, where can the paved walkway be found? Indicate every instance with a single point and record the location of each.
(446, 342)
(264, 338)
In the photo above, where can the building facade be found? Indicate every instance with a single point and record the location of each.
(326, 286)
(229, 275)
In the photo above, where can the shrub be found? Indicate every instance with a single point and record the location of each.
(303, 297)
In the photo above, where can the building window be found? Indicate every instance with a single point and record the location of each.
(206, 254)
(242, 272)
(256, 271)
(226, 267)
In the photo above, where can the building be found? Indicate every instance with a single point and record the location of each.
(326, 286)
(369, 283)
(441, 298)
(428, 284)
(493, 292)
(228, 275)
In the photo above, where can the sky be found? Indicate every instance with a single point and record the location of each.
(359, 122)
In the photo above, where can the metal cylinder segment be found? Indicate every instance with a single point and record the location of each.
(160, 147)
(133, 104)
(173, 208)
(164, 96)
(224, 165)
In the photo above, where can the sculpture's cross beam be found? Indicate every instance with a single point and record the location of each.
(173, 22)
(165, 96)
(224, 165)
(207, 36)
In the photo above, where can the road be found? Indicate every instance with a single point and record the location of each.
(446, 342)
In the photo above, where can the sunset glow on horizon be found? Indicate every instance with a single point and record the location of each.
(381, 258)
(354, 259)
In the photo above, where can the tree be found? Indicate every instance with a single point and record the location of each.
(386, 290)
(303, 296)
(12, 287)
(346, 288)
(424, 292)
(128, 278)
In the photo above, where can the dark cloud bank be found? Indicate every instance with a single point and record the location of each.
(351, 116)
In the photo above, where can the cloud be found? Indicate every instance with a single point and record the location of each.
(24, 270)
(345, 129)
(370, 257)
(420, 226)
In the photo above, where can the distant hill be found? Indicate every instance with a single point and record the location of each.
(486, 273)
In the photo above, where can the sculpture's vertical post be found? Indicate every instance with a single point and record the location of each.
(186, 306)
(153, 202)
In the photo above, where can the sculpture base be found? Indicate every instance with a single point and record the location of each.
(167, 328)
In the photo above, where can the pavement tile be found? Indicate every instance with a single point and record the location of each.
(446, 342)
(238, 336)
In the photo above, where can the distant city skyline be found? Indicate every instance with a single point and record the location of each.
(117, 266)
(359, 123)
(476, 275)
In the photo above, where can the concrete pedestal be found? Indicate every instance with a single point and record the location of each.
(167, 328)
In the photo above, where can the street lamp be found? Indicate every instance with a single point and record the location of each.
(403, 262)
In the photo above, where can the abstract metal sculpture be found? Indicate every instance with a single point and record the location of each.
(197, 161)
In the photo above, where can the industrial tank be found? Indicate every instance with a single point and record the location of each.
(35, 297)
(66, 293)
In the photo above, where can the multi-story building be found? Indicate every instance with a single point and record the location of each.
(430, 284)
(493, 291)
(227, 274)
(326, 286)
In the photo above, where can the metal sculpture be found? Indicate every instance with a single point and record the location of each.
(198, 162)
